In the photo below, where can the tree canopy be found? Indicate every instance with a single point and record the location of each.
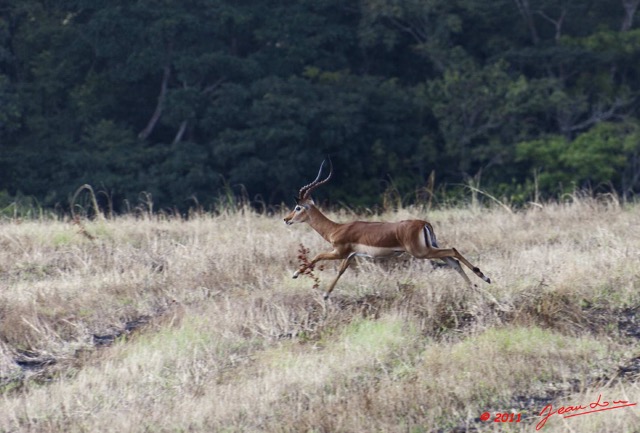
(185, 100)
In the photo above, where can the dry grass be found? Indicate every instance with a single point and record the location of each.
(160, 324)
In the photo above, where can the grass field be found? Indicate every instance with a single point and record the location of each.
(158, 324)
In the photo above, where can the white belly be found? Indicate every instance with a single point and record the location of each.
(375, 252)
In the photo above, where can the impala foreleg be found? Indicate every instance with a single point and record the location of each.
(343, 267)
(331, 255)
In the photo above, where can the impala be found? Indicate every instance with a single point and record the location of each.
(370, 239)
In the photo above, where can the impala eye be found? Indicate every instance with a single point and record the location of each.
(298, 209)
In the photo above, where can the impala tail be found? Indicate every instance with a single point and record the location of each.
(367, 239)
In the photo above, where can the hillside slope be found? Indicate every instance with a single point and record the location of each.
(161, 324)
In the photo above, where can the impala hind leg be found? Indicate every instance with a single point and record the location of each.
(449, 255)
(456, 265)
(476, 270)
(453, 263)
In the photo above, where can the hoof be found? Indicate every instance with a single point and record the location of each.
(326, 297)
(295, 274)
(488, 280)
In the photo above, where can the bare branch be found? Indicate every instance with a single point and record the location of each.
(630, 8)
(213, 86)
(525, 11)
(597, 116)
(408, 28)
(181, 131)
(556, 23)
(159, 106)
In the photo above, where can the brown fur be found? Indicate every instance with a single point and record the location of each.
(412, 236)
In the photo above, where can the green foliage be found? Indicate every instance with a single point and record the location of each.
(609, 43)
(189, 100)
(594, 158)
(9, 107)
(598, 155)
(472, 104)
(545, 155)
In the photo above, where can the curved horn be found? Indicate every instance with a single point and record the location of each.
(306, 190)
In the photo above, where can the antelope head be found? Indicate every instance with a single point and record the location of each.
(366, 239)
(304, 202)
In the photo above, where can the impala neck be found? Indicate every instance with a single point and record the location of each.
(320, 223)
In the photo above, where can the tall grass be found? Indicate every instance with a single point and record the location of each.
(158, 323)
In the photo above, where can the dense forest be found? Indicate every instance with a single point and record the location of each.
(183, 102)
